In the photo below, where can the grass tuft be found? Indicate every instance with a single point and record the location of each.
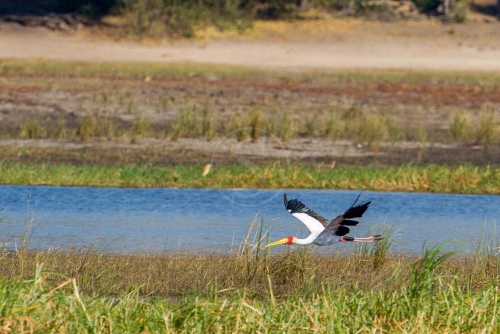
(32, 130)
(460, 127)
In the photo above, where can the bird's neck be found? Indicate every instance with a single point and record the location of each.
(307, 240)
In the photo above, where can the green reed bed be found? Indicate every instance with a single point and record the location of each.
(428, 178)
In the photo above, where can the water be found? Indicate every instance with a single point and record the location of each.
(131, 221)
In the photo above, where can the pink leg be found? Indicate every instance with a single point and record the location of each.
(373, 238)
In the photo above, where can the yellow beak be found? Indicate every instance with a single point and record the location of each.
(283, 241)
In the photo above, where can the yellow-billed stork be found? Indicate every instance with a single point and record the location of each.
(323, 234)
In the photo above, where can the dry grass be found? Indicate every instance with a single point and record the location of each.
(252, 267)
(291, 271)
(202, 122)
(187, 100)
(295, 289)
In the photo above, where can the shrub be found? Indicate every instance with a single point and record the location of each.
(32, 130)
(372, 130)
(460, 127)
(486, 130)
(426, 6)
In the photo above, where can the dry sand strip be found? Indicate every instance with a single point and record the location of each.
(366, 46)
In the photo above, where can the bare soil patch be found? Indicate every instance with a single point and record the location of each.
(305, 46)
(320, 44)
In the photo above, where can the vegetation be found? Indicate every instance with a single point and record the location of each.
(118, 109)
(182, 18)
(430, 178)
(192, 122)
(482, 81)
(251, 290)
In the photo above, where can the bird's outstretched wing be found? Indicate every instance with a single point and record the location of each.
(314, 222)
(338, 225)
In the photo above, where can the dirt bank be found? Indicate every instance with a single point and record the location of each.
(331, 44)
(336, 44)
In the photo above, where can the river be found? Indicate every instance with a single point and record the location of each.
(134, 221)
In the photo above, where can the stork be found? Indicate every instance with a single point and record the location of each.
(323, 234)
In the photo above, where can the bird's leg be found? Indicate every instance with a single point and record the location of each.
(373, 238)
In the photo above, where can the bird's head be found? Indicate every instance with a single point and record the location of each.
(285, 241)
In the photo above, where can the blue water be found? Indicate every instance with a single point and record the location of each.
(131, 221)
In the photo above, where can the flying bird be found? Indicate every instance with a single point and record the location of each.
(323, 234)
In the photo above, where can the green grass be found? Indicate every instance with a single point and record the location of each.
(251, 290)
(31, 305)
(430, 178)
(124, 70)
(429, 294)
(45, 67)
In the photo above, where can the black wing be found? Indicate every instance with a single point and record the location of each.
(296, 206)
(338, 225)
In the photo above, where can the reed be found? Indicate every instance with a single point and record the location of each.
(371, 130)
(237, 128)
(208, 124)
(142, 127)
(248, 292)
(94, 125)
(283, 127)
(195, 121)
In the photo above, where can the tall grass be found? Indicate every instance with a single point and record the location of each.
(191, 120)
(487, 130)
(460, 127)
(194, 121)
(252, 290)
(249, 292)
(33, 305)
(115, 104)
(33, 129)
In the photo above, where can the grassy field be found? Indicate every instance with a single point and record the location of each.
(252, 291)
(130, 100)
(430, 178)
(131, 70)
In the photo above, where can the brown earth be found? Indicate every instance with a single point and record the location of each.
(302, 46)
(324, 44)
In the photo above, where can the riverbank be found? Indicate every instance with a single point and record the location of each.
(427, 178)
(186, 114)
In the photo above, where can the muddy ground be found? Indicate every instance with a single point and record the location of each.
(344, 45)
(48, 100)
